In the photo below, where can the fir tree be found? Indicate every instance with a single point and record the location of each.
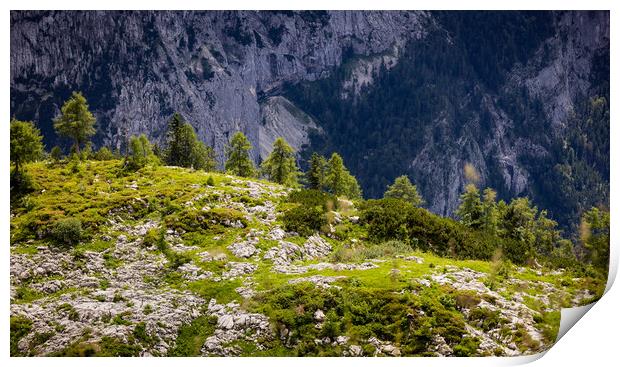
(470, 210)
(238, 161)
(183, 147)
(280, 166)
(316, 173)
(403, 189)
(75, 121)
(339, 181)
(25, 144)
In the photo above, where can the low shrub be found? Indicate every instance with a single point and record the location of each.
(303, 220)
(395, 219)
(67, 231)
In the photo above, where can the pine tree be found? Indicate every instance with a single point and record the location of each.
(518, 222)
(470, 210)
(25, 144)
(316, 173)
(75, 121)
(489, 210)
(203, 157)
(403, 189)
(238, 161)
(184, 149)
(339, 181)
(281, 166)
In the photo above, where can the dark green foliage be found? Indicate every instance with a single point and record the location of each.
(313, 198)
(360, 313)
(310, 216)
(210, 181)
(20, 327)
(470, 210)
(107, 347)
(315, 176)
(526, 232)
(184, 149)
(595, 238)
(387, 219)
(67, 231)
(339, 181)
(485, 319)
(56, 153)
(104, 154)
(40, 338)
(467, 347)
(395, 219)
(403, 189)
(142, 336)
(191, 219)
(304, 220)
(175, 259)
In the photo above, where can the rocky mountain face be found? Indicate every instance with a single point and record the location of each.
(218, 69)
(417, 93)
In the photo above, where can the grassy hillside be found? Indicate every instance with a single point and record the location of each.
(170, 261)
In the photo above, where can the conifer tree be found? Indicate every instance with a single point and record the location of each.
(339, 181)
(25, 144)
(403, 189)
(470, 210)
(281, 166)
(184, 149)
(489, 210)
(75, 121)
(238, 161)
(316, 173)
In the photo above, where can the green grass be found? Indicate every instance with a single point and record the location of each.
(192, 336)
(386, 302)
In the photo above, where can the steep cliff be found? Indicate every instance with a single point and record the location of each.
(216, 68)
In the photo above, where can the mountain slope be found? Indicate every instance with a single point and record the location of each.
(171, 263)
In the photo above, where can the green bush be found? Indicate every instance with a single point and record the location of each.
(303, 220)
(485, 318)
(395, 219)
(103, 154)
(68, 231)
(386, 219)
